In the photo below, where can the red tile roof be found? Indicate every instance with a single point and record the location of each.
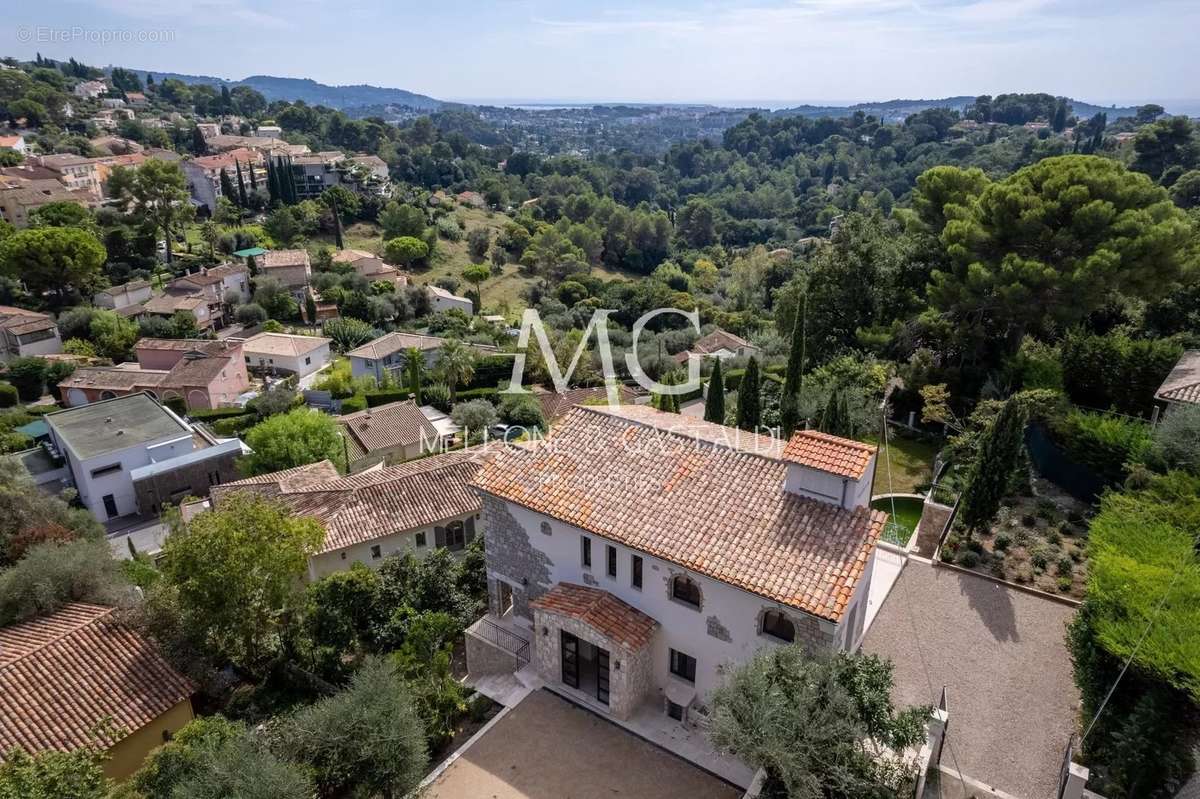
(1183, 383)
(370, 505)
(683, 495)
(397, 424)
(840, 456)
(556, 404)
(64, 674)
(601, 611)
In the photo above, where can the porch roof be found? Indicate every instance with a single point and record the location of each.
(601, 611)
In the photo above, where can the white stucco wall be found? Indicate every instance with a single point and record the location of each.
(682, 627)
(92, 490)
(830, 487)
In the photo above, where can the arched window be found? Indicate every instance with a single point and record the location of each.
(686, 590)
(776, 625)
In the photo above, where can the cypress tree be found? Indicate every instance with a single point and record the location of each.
(714, 403)
(337, 223)
(749, 409)
(789, 401)
(272, 182)
(199, 147)
(227, 187)
(242, 199)
(253, 176)
(251, 265)
(310, 307)
(989, 477)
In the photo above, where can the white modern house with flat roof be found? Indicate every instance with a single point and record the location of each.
(130, 455)
(636, 554)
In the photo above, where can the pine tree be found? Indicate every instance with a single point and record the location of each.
(227, 187)
(243, 200)
(988, 480)
(749, 408)
(714, 403)
(789, 401)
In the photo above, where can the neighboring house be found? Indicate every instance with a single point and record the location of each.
(136, 99)
(268, 132)
(209, 130)
(282, 353)
(292, 268)
(196, 305)
(133, 293)
(313, 173)
(386, 353)
(442, 300)
(130, 455)
(213, 284)
(204, 374)
(719, 344)
(90, 89)
(390, 434)
(16, 143)
(204, 174)
(27, 333)
(556, 405)
(415, 507)
(19, 201)
(76, 172)
(641, 553)
(70, 673)
(370, 266)
(1183, 383)
(471, 198)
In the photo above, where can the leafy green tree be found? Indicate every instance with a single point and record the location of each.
(113, 334)
(822, 726)
(340, 610)
(57, 571)
(1186, 190)
(53, 259)
(478, 241)
(77, 774)
(991, 474)
(235, 766)
(714, 403)
(62, 214)
(1167, 143)
(1049, 244)
(156, 191)
(234, 574)
(366, 740)
(475, 417)
(749, 405)
(250, 314)
(29, 376)
(184, 755)
(296, 438)
(404, 251)
(399, 220)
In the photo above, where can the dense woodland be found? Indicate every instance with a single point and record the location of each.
(977, 273)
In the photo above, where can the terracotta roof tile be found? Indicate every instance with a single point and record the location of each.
(601, 611)
(1183, 383)
(555, 404)
(397, 424)
(63, 674)
(840, 456)
(675, 491)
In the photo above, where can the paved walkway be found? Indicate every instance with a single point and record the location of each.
(547, 748)
(1002, 655)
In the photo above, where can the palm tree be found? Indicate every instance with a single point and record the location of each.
(457, 365)
(212, 236)
(414, 365)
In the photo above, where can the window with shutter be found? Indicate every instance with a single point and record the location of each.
(439, 537)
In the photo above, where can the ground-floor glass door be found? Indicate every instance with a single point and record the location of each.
(570, 659)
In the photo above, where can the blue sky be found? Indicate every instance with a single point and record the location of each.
(758, 50)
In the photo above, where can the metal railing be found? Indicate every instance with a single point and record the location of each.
(509, 641)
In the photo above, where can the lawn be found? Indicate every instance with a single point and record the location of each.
(911, 464)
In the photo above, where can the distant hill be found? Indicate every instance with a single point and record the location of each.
(311, 92)
(897, 110)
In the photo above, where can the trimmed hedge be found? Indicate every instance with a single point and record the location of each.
(206, 414)
(490, 370)
(8, 395)
(733, 378)
(1107, 444)
(354, 404)
(1115, 371)
(384, 397)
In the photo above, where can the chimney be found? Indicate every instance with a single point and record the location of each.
(829, 469)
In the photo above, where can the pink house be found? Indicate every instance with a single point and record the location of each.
(206, 374)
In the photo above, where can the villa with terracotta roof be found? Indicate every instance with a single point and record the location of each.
(638, 553)
(556, 404)
(391, 433)
(24, 333)
(416, 507)
(284, 353)
(292, 268)
(1182, 385)
(719, 344)
(370, 266)
(386, 353)
(69, 674)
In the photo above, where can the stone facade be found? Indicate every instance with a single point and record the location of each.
(810, 632)
(631, 673)
(484, 657)
(512, 559)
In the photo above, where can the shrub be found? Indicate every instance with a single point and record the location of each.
(1021, 538)
(448, 228)
(1177, 439)
(354, 404)
(1114, 371)
(1065, 566)
(1029, 520)
(385, 397)
(8, 395)
(1064, 584)
(1053, 538)
(975, 545)
(1106, 443)
(969, 559)
(438, 395)
(1040, 558)
(1002, 542)
(1065, 528)
(28, 375)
